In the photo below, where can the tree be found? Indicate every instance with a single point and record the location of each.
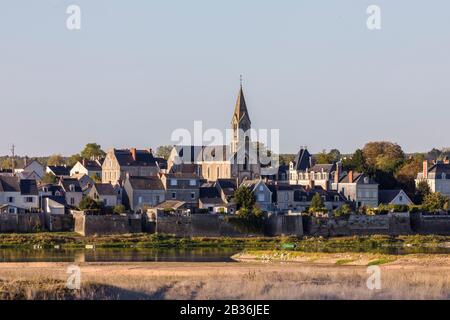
(434, 202)
(49, 178)
(55, 160)
(286, 158)
(7, 163)
(119, 209)
(356, 162)
(342, 211)
(422, 190)
(91, 151)
(244, 198)
(406, 174)
(317, 204)
(335, 155)
(87, 203)
(164, 151)
(73, 159)
(323, 157)
(385, 156)
(96, 178)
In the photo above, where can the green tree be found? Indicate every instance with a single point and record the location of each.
(323, 157)
(87, 203)
(383, 155)
(317, 204)
(92, 150)
(407, 173)
(344, 210)
(164, 151)
(96, 178)
(244, 198)
(422, 190)
(434, 202)
(356, 162)
(286, 158)
(73, 159)
(7, 163)
(119, 209)
(49, 178)
(55, 160)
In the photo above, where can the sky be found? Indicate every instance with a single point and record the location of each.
(139, 69)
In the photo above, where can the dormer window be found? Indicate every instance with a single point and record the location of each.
(72, 188)
(192, 182)
(444, 176)
(366, 180)
(173, 182)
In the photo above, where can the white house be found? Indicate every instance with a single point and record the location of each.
(32, 170)
(262, 193)
(396, 197)
(437, 176)
(105, 193)
(91, 168)
(22, 194)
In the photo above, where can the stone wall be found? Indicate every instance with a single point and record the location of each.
(59, 222)
(200, 225)
(390, 224)
(284, 225)
(22, 222)
(87, 224)
(430, 224)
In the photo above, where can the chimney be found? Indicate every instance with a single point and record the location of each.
(133, 153)
(425, 169)
(446, 160)
(337, 173)
(350, 176)
(83, 162)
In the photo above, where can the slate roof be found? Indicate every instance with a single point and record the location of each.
(386, 196)
(146, 183)
(60, 171)
(357, 178)
(209, 192)
(144, 158)
(309, 194)
(104, 189)
(302, 160)
(91, 165)
(325, 167)
(228, 186)
(240, 110)
(67, 182)
(14, 184)
(437, 170)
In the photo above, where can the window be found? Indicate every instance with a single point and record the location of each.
(336, 198)
(192, 182)
(105, 202)
(444, 176)
(11, 199)
(261, 188)
(174, 195)
(139, 199)
(29, 199)
(72, 188)
(192, 195)
(261, 197)
(173, 182)
(12, 210)
(72, 201)
(286, 196)
(218, 172)
(400, 198)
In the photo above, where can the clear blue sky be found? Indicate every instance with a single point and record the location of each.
(140, 69)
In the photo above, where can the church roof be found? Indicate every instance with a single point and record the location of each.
(240, 110)
(302, 160)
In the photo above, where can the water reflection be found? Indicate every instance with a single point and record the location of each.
(116, 255)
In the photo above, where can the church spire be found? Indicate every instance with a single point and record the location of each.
(240, 110)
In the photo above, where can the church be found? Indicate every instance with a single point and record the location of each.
(239, 160)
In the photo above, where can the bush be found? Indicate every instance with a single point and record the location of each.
(119, 209)
(87, 204)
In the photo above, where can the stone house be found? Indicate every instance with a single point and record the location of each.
(358, 188)
(437, 176)
(31, 170)
(19, 193)
(140, 192)
(105, 193)
(72, 191)
(282, 196)
(332, 199)
(302, 172)
(211, 200)
(395, 197)
(91, 168)
(183, 187)
(262, 193)
(120, 162)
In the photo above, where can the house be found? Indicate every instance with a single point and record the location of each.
(19, 193)
(282, 196)
(137, 163)
(331, 199)
(237, 160)
(211, 200)
(86, 182)
(395, 197)
(303, 172)
(437, 176)
(59, 171)
(182, 187)
(105, 193)
(358, 188)
(91, 168)
(281, 176)
(32, 170)
(140, 192)
(72, 191)
(262, 193)
(10, 209)
(54, 205)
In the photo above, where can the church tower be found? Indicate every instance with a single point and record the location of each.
(240, 123)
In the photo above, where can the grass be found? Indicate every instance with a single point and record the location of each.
(205, 281)
(342, 262)
(380, 261)
(311, 244)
